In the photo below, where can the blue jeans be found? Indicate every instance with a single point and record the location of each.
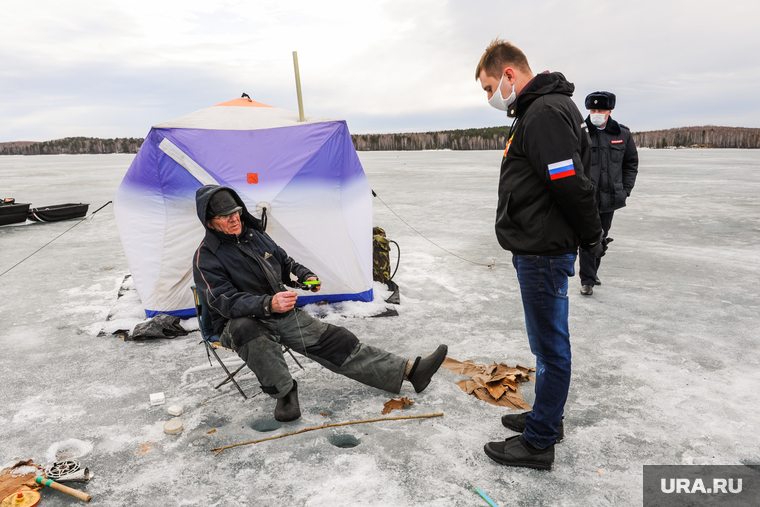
(543, 286)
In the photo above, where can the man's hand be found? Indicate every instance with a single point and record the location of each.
(315, 287)
(597, 248)
(284, 301)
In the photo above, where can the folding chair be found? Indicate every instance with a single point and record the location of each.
(213, 343)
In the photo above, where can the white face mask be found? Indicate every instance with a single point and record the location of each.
(498, 101)
(598, 119)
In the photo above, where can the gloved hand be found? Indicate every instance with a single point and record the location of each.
(606, 243)
(597, 248)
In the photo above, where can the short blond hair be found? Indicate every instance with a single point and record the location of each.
(500, 54)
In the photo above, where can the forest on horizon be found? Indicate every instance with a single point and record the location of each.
(488, 138)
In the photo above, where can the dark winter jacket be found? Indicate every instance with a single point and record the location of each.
(238, 276)
(546, 203)
(614, 164)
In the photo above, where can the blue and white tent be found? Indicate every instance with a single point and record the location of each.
(306, 174)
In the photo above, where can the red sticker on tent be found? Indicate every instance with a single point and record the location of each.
(253, 177)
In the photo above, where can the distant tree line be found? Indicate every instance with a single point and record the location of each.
(489, 138)
(73, 146)
(699, 137)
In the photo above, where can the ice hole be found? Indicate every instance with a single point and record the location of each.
(344, 441)
(266, 425)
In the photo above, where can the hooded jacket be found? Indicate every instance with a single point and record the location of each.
(614, 164)
(238, 275)
(546, 203)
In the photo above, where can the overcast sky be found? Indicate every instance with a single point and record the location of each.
(112, 68)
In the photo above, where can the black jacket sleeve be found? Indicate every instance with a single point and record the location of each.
(551, 138)
(630, 164)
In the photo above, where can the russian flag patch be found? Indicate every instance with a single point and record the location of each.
(561, 169)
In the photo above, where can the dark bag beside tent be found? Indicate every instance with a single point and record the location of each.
(160, 326)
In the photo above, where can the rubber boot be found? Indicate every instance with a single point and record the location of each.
(424, 368)
(287, 408)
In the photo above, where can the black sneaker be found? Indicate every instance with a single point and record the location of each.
(425, 367)
(287, 408)
(587, 290)
(516, 422)
(517, 452)
(597, 281)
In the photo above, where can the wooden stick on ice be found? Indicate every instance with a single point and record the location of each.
(220, 449)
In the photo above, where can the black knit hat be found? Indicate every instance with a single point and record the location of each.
(604, 101)
(221, 203)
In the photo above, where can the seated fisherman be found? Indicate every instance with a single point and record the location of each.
(241, 274)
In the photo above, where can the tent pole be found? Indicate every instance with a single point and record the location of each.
(298, 87)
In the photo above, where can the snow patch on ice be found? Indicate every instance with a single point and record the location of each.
(190, 324)
(125, 313)
(22, 471)
(353, 309)
(374, 479)
(114, 439)
(68, 449)
(106, 392)
(35, 410)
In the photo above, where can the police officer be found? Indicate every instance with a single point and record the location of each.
(613, 169)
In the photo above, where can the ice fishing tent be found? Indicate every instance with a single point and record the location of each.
(306, 174)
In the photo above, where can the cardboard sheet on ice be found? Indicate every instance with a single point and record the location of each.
(306, 174)
(20, 475)
(496, 383)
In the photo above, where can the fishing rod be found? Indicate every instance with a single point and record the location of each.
(61, 234)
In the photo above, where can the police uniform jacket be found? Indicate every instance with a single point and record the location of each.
(238, 275)
(546, 203)
(614, 164)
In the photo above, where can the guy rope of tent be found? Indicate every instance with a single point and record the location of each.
(301, 118)
(489, 266)
(55, 238)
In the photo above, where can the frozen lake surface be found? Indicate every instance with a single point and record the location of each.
(665, 353)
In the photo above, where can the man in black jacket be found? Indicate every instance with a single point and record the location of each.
(241, 274)
(613, 169)
(546, 209)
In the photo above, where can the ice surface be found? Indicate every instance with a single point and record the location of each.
(665, 353)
